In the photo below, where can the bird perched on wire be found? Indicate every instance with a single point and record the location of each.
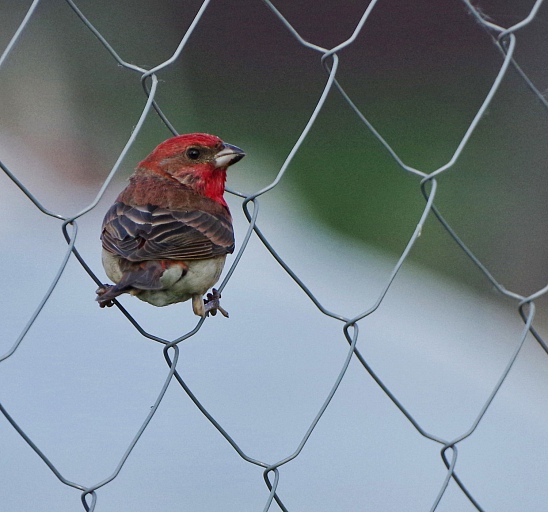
(166, 237)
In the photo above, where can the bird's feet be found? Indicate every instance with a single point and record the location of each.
(100, 292)
(213, 304)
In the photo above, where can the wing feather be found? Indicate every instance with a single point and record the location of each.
(142, 233)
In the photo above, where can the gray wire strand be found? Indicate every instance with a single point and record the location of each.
(18, 32)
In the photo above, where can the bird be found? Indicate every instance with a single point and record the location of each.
(166, 237)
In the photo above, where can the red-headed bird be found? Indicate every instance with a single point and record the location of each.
(166, 237)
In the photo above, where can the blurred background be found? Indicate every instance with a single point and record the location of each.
(83, 379)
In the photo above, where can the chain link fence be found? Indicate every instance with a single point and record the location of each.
(504, 38)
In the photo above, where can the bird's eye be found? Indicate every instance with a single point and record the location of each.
(193, 153)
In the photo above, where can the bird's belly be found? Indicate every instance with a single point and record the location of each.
(111, 264)
(198, 279)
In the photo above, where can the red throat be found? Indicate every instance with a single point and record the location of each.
(205, 179)
(211, 183)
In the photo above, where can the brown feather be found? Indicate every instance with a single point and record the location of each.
(147, 187)
(159, 218)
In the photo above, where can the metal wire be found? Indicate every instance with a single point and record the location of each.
(329, 59)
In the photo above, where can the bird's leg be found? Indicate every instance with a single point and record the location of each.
(100, 292)
(213, 304)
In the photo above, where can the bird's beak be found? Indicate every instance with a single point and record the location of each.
(228, 155)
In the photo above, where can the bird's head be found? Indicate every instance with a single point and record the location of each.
(196, 160)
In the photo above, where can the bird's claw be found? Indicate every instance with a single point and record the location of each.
(101, 291)
(213, 304)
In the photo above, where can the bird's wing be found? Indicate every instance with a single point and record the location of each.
(141, 233)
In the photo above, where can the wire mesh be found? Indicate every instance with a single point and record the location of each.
(505, 40)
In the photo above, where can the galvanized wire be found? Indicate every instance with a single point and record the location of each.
(505, 40)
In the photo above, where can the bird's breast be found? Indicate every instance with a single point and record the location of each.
(177, 286)
(200, 276)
